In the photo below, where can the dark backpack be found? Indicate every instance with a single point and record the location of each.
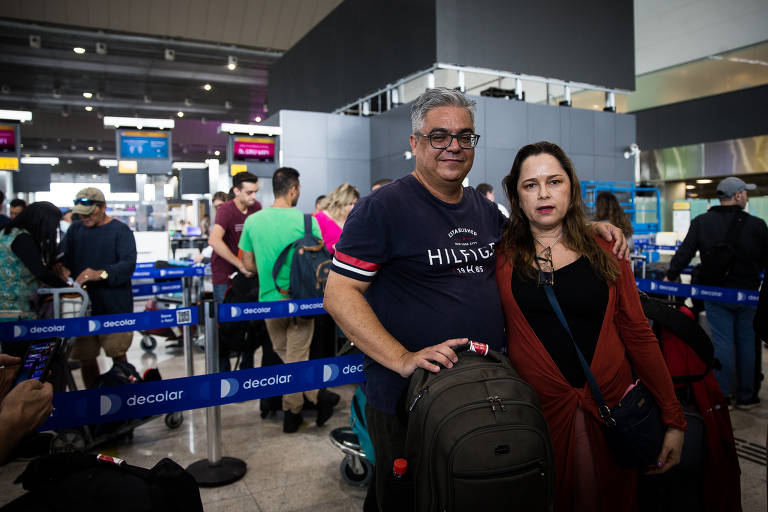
(718, 261)
(477, 439)
(309, 268)
(79, 481)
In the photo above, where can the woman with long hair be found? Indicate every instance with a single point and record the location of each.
(334, 209)
(27, 255)
(608, 209)
(548, 243)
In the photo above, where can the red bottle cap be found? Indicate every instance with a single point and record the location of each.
(400, 467)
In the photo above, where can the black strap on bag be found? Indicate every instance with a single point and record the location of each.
(605, 412)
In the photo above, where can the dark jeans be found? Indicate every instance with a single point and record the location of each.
(388, 438)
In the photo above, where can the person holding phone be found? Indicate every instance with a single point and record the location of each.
(23, 407)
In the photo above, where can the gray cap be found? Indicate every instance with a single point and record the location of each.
(733, 185)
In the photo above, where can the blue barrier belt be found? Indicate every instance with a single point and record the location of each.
(154, 273)
(695, 291)
(145, 265)
(160, 397)
(143, 290)
(90, 325)
(237, 312)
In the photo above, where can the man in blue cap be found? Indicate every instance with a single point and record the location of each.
(733, 247)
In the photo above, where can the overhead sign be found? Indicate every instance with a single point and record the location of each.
(253, 149)
(144, 144)
(8, 138)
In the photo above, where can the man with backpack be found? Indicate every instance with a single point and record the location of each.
(266, 234)
(733, 246)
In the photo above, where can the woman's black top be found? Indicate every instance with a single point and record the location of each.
(25, 248)
(583, 297)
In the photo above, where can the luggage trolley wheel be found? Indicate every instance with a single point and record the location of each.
(356, 471)
(174, 419)
(68, 440)
(148, 342)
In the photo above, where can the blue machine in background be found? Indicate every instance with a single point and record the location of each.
(642, 204)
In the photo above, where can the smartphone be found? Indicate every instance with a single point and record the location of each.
(37, 360)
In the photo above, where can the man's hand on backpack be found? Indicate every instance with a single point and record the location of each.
(431, 358)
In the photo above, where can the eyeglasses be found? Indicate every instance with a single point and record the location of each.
(86, 202)
(443, 140)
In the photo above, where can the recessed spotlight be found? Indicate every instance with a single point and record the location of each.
(217, 152)
(693, 195)
(704, 181)
(257, 119)
(90, 148)
(595, 106)
(232, 63)
(87, 95)
(180, 113)
(207, 87)
(78, 50)
(690, 187)
(88, 108)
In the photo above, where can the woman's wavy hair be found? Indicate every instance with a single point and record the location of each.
(341, 196)
(41, 221)
(577, 234)
(608, 208)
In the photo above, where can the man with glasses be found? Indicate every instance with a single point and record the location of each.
(101, 252)
(414, 271)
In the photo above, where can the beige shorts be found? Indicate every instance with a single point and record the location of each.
(115, 344)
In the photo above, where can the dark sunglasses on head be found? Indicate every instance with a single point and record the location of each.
(86, 202)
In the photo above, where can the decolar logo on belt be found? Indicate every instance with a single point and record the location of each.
(21, 330)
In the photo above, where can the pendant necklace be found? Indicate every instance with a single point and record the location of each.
(546, 254)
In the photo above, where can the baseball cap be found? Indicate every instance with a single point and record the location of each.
(87, 199)
(733, 185)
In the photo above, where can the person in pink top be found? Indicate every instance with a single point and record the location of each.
(333, 213)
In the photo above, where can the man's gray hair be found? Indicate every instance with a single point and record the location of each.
(435, 98)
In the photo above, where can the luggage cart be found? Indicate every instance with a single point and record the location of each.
(74, 302)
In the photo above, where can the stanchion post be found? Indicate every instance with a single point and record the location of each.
(186, 330)
(215, 470)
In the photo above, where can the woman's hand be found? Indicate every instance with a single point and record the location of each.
(671, 450)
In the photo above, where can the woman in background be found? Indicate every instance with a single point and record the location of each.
(547, 242)
(334, 210)
(608, 209)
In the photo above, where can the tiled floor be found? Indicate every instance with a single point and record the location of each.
(301, 471)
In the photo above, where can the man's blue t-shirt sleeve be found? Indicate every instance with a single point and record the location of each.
(365, 243)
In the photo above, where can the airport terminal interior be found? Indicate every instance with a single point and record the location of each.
(161, 105)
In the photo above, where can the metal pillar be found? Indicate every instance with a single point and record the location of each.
(216, 470)
(186, 330)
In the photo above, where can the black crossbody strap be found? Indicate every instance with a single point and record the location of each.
(605, 412)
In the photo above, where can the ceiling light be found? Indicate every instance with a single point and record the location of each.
(170, 54)
(101, 48)
(88, 108)
(134, 122)
(187, 102)
(232, 63)
(227, 104)
(50, 160)
(180, 113)
(690, 187)
(217, 152)
(90, 148)
(207, 87)
(249, 129)
(78, 50)
(257, 119)
(16, 115)
(35, 41)
(107, 163)
(87, 95)
(56, 93)
(693, 195)
(704, 181)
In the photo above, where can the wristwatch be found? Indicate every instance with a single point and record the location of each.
(104, 275)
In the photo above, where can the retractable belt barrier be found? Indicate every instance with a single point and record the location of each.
(696, 291)
(154, 273)
(144, 290)
(159, 397)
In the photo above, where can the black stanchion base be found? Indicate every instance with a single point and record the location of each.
(227, 471)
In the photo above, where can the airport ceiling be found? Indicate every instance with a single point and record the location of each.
(145, 58)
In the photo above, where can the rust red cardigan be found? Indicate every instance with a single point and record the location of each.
(626, 342)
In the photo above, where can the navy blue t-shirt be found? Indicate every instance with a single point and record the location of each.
(432, 270)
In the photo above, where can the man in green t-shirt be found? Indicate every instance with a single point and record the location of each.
(265, 234)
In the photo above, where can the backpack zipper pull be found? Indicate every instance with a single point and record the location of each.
(422, 391)
(495, 402)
